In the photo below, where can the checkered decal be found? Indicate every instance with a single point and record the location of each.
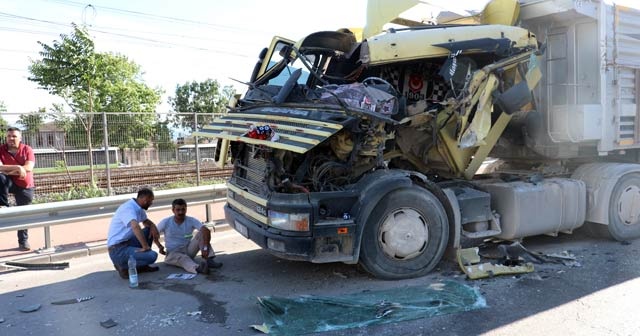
(439, 90)
(391, 75)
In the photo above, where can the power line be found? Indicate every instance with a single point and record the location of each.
(163, 43)
(155, 16)
(19, 51)
(13, 69)
(31, 19)
(156, 41)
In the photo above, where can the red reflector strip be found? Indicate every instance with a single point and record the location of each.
(343, 230)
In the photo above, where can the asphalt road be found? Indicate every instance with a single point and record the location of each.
(599, 297)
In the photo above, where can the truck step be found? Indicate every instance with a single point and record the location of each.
(481, 234)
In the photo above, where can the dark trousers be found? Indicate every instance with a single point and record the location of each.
(23, 196)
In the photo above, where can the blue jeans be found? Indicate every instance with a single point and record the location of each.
(120, 253)
(23, 196)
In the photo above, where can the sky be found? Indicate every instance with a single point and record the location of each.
(173, 41)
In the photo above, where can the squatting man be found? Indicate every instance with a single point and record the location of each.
(182, 244)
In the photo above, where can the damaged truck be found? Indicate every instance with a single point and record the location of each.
(373, 149)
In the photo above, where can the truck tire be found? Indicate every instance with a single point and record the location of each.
(624, 209)
(405, 235)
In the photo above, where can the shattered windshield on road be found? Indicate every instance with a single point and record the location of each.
(308, 314)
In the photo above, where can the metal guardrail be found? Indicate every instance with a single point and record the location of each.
(65, 212)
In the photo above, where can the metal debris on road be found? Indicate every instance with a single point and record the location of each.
(108, 323)
(469, 262)
(72, 301)
(36, 267)
(181, 276)
(194, 313)
(338, 274)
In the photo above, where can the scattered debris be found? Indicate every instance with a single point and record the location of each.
(30, 309)
(167, 322)
(513, 259)
(1, 320)
(469, 262)
(72, 301)
(108, 323)
(36, 267)
(263, 328)
(194, 313)
(20, 295)
(516, 251)
(338, 274)
(181, 276)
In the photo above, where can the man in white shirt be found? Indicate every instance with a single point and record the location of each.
(126, 238)
(182, 245)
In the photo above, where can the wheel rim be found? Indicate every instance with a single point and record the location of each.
(404, 234)
(629, 205)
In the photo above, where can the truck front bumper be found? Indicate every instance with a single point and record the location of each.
(285, 247)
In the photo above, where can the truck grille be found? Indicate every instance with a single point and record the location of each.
(250, 173)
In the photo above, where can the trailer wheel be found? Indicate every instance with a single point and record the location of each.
(624, 208)
(405, 235)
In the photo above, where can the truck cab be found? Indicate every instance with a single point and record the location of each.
(367, 150)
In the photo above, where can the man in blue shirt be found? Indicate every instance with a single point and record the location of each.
(182, 245)
(126, 238)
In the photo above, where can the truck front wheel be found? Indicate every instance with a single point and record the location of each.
(405, 235)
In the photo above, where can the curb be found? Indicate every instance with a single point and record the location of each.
(87, 250)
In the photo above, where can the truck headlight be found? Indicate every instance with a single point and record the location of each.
(289, 221)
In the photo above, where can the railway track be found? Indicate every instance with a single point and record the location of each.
(130, 176)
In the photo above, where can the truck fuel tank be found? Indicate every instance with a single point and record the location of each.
(547, 207)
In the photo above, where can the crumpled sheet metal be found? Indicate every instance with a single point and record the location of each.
(469, 262)
(309, 314)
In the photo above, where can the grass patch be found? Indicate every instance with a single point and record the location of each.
(71, 169)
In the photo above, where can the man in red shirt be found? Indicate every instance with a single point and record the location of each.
(16, 176)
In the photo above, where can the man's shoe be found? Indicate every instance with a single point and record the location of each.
(203, 268)
(122, 272)
(24, 246)
(213, 264)
(147, 269)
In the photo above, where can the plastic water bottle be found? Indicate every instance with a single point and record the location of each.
(133, 272)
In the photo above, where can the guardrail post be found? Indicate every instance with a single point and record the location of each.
(195, 127)
(207, 209)
(47, 237)
(106, 151)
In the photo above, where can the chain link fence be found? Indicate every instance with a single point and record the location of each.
(83, 155)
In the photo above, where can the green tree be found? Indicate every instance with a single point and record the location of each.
(95, 84)
(163, 139)
(31, 123)
(206, 98)
(65, 123)
(67, 69)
